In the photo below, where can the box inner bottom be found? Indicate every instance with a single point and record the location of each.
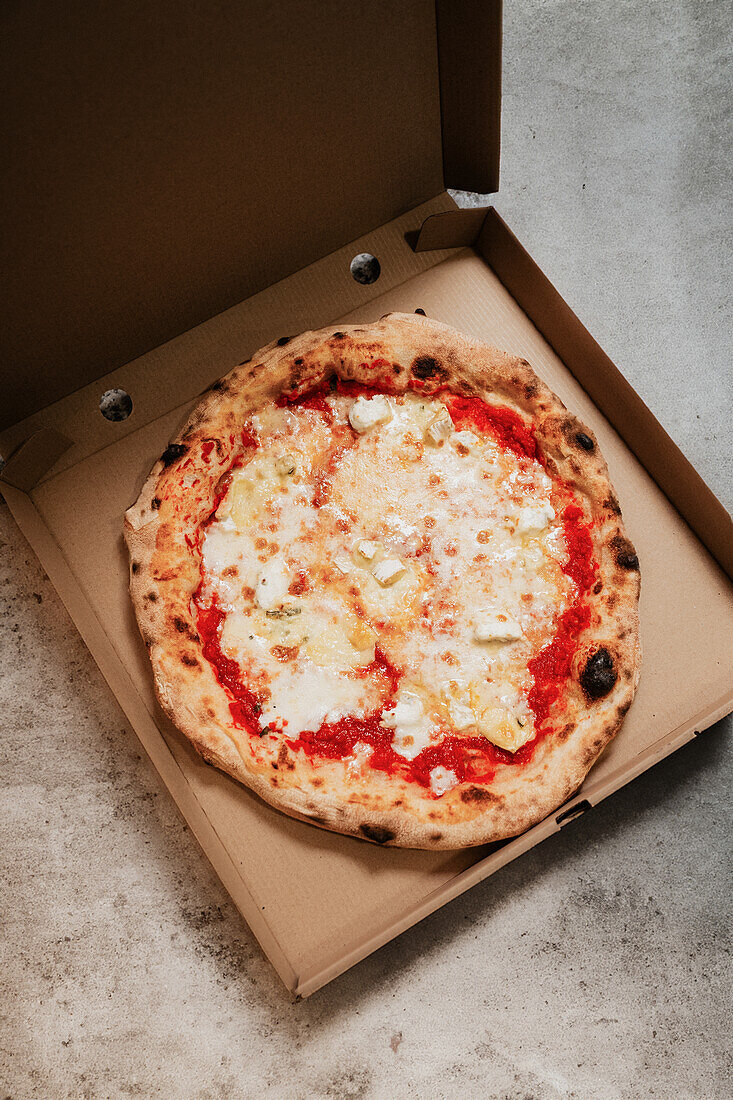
(325, 897)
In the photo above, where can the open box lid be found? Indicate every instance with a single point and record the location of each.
(166, 162)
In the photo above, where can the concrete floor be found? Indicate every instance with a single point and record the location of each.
(597, 965)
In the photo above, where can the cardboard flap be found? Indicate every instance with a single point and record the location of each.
(451, 229)
(469, 56)
(165, 162)
(34, 458)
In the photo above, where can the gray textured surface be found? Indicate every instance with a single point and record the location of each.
(616, 175)
(598, 965)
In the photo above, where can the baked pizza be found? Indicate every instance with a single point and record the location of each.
(384, 582)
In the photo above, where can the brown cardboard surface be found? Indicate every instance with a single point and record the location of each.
(318, 902)
(34, 458)
(306, 299)
(469, 46)
(154, 154)
(165, 162)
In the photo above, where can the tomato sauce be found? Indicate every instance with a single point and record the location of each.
(507, 426)
(245, 705)
(472, 759)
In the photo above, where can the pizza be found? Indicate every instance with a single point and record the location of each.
(384, 582)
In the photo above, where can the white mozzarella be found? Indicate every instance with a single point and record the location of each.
(306, 695)
(342, 563)
(460, 715)
(488, 626)
(367, 412)
(285, 465)
(555, 544)
(272, 585)
(412, 729)
(356, 760)
(368, 549)
(465, 438)
(534, 518)
(442, 780)
(440, 428)
(388, 571)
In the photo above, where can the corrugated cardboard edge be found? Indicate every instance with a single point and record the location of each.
(142, 722)
(34, 458)
(469, 43)
(585, 359)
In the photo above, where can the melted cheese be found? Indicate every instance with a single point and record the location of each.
(367, 412)
(442, 780)
(436, 545)
(412, 727)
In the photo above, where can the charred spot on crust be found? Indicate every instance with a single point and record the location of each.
(421, 312)
(611, 502)
(338, 336)
(155, 503)
(592, 751)
(298, 362)
(180, 624)
(425, 367)
(531, 389)
(584, 441)
(220, 385)
(283, 341)
(333, 383)
(190, 660)
(172, 453)
(611, 600)
(152, 596)
(435, 836)
(478, 796)
(135, 567)
(599, 675)
(624, 553)
(376, 833)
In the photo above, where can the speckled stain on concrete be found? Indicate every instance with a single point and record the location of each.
(597, 965)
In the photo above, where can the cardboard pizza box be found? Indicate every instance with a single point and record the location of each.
(229, 164)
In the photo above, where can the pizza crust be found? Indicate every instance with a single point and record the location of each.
(165, 574)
